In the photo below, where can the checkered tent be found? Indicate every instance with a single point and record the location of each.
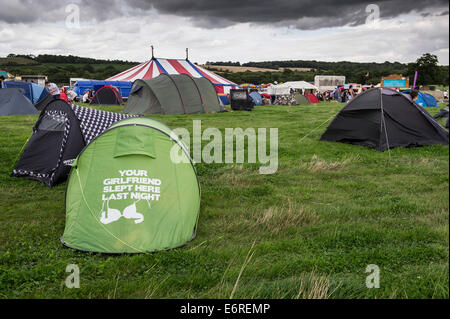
(59, 135)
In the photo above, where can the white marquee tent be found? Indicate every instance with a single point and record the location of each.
(286, 87)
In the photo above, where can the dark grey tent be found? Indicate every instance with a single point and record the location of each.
(301, 99)
(173, 94)
(107, 95)
(382, 119)
(13, 102)
(442, 113)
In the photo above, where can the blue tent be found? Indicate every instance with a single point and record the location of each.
(256, 98)
(32, 91)
(124, 87)
(424, 99)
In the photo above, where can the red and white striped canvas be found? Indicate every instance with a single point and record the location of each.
(155, 67)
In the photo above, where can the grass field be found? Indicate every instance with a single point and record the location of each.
(307, 231)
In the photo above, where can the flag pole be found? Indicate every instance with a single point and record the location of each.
(415, 79)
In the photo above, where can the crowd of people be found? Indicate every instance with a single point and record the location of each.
(67, 95)
(341, 94)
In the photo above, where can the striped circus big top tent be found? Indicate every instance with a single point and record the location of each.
(157, 66)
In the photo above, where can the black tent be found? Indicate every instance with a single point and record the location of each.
(240, 100)
(59, 135)
(383, 118)
(442, 113)
(13, 102)
(107, 95)
(43, 102)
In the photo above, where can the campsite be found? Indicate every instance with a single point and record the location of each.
(330, 208)
(234, 159)
(359, 182)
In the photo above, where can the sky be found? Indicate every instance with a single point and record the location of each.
(228, 30)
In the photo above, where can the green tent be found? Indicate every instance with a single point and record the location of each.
(301, 99)
(125, 194)
(173, 94)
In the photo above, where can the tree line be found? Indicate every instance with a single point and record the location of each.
(51, 58)
(429, 72)
(60, 69)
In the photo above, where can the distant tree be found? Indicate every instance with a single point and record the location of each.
(444, 75)
(88, 68)
(427, 68)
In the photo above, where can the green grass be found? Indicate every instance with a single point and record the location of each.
(308, 231)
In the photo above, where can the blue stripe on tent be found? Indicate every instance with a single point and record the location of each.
(160, 66)
(195, 68)
(224, 99)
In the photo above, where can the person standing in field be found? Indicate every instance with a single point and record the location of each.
(344, 96)
(53, 89)
(71, 95)
(2, 78)
(86, 97)
(337, 94)
(62, 94)
(351, 93)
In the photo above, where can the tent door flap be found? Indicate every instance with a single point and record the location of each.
(133, 140)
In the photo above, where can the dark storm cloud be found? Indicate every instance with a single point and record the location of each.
(27, 11)
(301, 14)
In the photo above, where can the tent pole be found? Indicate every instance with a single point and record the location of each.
(153, 56)
(187, 53)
